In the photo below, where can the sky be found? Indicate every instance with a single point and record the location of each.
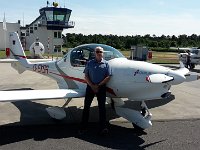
(117, 17)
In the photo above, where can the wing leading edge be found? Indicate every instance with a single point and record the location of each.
(10, 60)
(19, 95)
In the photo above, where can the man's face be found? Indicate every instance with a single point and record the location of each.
(99, 53)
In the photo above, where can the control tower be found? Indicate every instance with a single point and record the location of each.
(48, 28)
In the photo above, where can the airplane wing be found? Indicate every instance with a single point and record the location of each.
(10, 60)
(19, 95)
(183, 71)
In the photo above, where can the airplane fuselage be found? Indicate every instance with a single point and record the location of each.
(129, 78)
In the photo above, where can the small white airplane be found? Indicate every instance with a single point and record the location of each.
(133, 80)
(194, 57)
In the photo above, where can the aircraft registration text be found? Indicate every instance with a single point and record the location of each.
(41, 68)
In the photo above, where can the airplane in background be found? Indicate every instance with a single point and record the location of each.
(133, 80)
(194, 57)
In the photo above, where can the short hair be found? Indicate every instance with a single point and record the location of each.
(99, 48)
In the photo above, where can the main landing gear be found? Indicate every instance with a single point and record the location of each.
(58, 113)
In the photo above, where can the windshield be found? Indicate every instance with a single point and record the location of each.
(195, 52)
(110, 53)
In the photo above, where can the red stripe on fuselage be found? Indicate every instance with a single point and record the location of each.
(68, 77)
(109, 90)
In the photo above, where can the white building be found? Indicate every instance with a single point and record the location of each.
(11, 27)
(47, 27)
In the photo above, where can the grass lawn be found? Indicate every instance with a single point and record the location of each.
(165, 57)
(3, 54)
(158, 57)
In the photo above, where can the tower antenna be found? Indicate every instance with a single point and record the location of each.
(23, 19)
(47, 3)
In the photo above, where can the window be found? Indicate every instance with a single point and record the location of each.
(195, 52)
(59, 34)
(35, 26)
(57, 48)
(31, 29)
(79, 57)
(59, 16)
(55, 35)
(49, 15)
(23, 34)
(67, 17)
(27, 32)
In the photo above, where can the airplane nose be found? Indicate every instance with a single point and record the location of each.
(178, 77)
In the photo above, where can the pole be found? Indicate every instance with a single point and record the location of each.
(48, 47)
(5, 39)
(57, 51)
(5, 29)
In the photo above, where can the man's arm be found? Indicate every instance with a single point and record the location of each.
(88, 80)
(93, 86)
(104, 81)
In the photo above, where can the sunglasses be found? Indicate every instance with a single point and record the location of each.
(99, 52)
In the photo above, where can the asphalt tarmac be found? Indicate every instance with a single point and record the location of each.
(169, 135)
(26, 125)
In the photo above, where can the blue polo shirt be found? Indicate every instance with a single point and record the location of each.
(97, 71)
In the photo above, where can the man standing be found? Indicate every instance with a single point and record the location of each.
(97, 74)
(188, 60)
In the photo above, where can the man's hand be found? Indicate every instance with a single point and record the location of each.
(95, 88)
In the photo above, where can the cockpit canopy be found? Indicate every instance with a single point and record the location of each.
(195, 51)
(81, 54)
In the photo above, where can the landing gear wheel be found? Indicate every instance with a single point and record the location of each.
(136, 127)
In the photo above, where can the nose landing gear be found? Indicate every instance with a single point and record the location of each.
(146, 115)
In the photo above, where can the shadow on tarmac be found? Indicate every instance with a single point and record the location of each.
(118, 137)
(35, 123)
(35, 113)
